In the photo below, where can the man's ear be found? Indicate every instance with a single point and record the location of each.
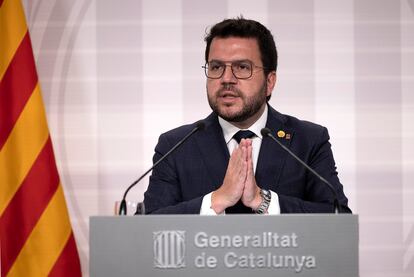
(271, 82)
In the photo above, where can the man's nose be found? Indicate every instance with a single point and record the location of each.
(228, 76)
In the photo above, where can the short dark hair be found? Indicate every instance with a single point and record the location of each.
(246, 28)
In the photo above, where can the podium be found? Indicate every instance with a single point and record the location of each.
(232, 245)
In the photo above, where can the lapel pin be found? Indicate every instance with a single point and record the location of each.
(287, 136)
(281, 134)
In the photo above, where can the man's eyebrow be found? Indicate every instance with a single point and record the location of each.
(233, 61)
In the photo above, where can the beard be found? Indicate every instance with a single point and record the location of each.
(251, 104)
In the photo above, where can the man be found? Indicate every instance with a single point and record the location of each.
(259, 176)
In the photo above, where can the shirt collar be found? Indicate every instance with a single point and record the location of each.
(229, 130)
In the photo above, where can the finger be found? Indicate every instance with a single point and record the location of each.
(244, 149)
(241, 158)
(239, 161)
(235, 156)
(250, 152)
(237, 164)
(242, 142)
(246, 142)
(250, 173)
(242, 175)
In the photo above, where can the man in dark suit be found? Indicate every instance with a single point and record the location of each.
(228, 167)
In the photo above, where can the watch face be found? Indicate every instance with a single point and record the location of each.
(265, 194)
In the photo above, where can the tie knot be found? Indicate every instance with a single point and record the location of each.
(243, 135)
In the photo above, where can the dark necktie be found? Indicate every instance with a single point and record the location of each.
(243, 135)
(239, 208)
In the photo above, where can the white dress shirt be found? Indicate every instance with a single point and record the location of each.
(229, 131)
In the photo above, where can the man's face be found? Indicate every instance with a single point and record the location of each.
(238, 100)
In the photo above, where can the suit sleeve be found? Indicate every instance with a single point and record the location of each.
(163, 195)
(317, 197)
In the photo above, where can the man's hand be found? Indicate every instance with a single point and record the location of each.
(251, 193)
(234, 182)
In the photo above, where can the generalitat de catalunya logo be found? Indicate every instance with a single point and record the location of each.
(169, 249)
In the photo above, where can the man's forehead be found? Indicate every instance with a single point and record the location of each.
(235, 45)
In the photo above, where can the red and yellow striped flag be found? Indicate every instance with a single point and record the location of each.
(36, 237)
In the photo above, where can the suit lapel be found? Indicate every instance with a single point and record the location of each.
(214, 150)
(271, 156)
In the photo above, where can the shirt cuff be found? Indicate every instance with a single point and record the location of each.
(274, 207)
(206, 206)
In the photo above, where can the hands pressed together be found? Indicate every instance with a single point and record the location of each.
(239, 182)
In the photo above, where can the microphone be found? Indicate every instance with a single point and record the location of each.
(123, 208)
(267, 133)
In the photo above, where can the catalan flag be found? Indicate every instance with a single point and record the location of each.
(36, 237)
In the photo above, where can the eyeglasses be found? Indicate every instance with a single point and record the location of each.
(241, 69)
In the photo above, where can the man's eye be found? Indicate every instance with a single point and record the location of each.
(215, 67)
(243, 66)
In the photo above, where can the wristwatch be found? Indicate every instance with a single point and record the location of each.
(266, 197)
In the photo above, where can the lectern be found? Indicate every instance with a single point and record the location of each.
(232, 245)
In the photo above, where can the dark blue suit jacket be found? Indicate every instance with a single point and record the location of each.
(179, 183)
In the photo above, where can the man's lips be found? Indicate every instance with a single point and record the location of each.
(228, 98)
(228, 94)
